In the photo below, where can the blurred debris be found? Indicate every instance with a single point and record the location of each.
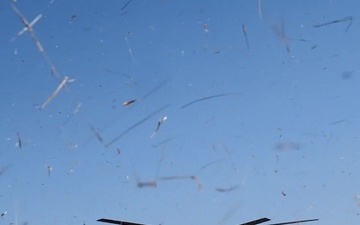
(313, 47)
(127, 103)
(146, 184)
(128, 2)
(194, 178)
(29, 28)
(3, 169)
(207, 98)
(19, 144)
(211, 163)
(53, 95)
(50, 169)
(135, 125)
(152, 91)
(129, 49)
(357, 200)
(245, 35)
(280, 32)
(288, 145)
(98, 136)
(206, 28)
(156, 88)
(77, 109)
(229, 189)
(260, 9)
(162, 142)
(3, 214)
(161, 121)
(154, 183)
(336, 122)
(345, 19)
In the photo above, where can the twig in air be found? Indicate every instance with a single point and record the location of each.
(345, 19)
(61, 85)
(135, 125)
(29, 28)
(206, 98)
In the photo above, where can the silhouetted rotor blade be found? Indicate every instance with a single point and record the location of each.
(254, 222)
(298, 221)
(118, 222)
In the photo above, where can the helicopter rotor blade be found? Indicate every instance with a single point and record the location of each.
(254, 222)
(292, 222)
(118, 222)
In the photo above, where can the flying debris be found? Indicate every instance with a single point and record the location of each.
(3, 170)
(126, 5)
(135, 125)
(155, 89)
(3, 214)
(162, 142)
(152, 91)
(260, 9)
(50, 169)
(288, 145)
(147, 184)
(254, 222)
(280, 32)
(155, 182)
(161, 120)
(58, 89)
(245, 35)
(18, 140)
(207, 98)
(127, 103)
(232, 188)
(206, 28)
(194, 178)
(29, 28)
(96, 132)
(345, 19)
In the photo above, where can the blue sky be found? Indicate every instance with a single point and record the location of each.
(278, 137)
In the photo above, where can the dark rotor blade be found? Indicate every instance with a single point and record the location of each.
(118, 222)
(254, 222)
(298, 221)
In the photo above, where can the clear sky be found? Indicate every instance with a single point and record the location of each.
(243, 109)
